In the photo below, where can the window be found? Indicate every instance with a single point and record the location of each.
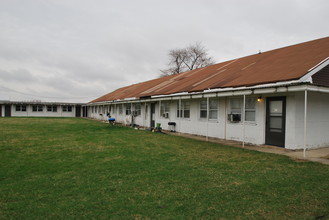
(120, 110)
(236, 105)
(250, 109)
(20, 108)
(235, 110)
(67, 108)
(128, 109)
(203, 109)
(146, 111)
(37, 108)
(137, 109)
(213, 109)
(184, 111)
(51, 108)
(164, 109)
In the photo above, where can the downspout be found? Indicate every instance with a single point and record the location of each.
(244, 117)
(305, 121)
(207, 118)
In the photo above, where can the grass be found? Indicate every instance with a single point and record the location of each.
(71, 168)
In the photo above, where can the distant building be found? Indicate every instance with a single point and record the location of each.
(41, 109)
(279, 97)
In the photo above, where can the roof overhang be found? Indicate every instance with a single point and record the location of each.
(37, 103)
(292, 86)
(308, 77)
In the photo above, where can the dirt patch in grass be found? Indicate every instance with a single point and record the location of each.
(326, 157)
(298, 159)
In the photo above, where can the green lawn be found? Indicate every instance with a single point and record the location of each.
(77, 168)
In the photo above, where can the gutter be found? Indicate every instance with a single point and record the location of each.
(291, 86)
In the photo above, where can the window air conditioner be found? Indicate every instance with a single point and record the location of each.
(234, 117)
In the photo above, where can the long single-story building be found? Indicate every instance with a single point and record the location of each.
(279, 97)
(41, 109)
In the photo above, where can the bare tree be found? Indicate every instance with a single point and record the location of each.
(189, 58)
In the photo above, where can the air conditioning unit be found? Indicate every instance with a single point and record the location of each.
(165, 115)
(234, 118)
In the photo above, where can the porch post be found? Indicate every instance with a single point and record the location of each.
(180, 113)
(244, 116)
(305, 122)
(207, 117)
(143, 109)
(225, 117)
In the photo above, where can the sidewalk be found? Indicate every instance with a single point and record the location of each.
(320, 155)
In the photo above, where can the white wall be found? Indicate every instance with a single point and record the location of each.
(250, 132)
(219, 128)
(100, 113)
(44, 113)
(317, 121)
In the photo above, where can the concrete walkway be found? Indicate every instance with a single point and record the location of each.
(320, 155)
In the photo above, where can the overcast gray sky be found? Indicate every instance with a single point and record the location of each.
(78, 50)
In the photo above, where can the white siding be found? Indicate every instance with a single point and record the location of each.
(317, 121)
(251, 132)
(44, 113)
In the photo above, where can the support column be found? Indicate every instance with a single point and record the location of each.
(305, 121)
(207, 118)
(244, 118)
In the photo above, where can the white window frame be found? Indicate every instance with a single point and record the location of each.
(213, 108)
(37, 108)
(138, 109)
(164, 108)
(20, 108)
(120, 109)
(146, 111)
(240, 109)
(250, 109)
(184, 110)
(203, 109)
(67, 108)
(236, 108)
(205, 112)
(51, 108)
(128, 109)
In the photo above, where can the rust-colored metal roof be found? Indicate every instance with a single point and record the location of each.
(284, 64)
